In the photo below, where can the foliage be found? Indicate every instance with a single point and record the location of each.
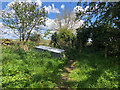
(29, 69)
(63, 39)
(47, 32)
(102, 12)
(54, 39)
(105, 26)
(35, 37)
(92, 70)
(64, 36)
(32, 69)
(82, 37)
(65, 19)
(88, 44)
(24, 17)
(107, 38)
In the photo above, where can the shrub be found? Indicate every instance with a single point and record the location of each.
(62, 38)
(35, 37)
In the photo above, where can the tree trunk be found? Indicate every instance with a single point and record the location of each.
(80, 47)
(28, 36)
(69, 47)
(20, 35)
(23, 36)
(105, 51)
(29, 33)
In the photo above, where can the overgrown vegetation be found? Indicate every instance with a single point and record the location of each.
(32, 69)
(95, 64)
(105, 29)
(22, 69)
(94, 71)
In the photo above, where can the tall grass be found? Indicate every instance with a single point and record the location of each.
(94, 71)
(29, 69)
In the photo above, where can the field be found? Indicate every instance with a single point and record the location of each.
(29, 69)
(88, 32)
(23, 68)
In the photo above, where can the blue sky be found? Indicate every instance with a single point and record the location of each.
(51, 15)
(53, 8)
(68, 5)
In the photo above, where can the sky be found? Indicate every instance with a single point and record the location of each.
(57, 5)
(53, 9)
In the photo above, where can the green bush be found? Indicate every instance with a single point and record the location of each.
(35, 37)
(62, 38)
(31, 44)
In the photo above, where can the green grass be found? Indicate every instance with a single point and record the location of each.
(32, 69)
(29, 69)
(44, 42)
(94, 71)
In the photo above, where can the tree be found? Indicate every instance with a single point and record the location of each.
(102, 12)
(63, 38)
(54, 39)
(105, 28)
(105, 37)
(23, 17)
(35, 37)
(48, 33)
(66, 19)
(83, 34)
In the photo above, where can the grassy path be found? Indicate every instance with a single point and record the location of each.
(65, 81)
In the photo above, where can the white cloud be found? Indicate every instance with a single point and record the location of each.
(24, 0)
(50, 23)
(8, 33)
(51, 9)
(13, 2)
(63, 6)
(53, 24)
(78, 23)
(39, 2)
(8, 10)
(83, 10)
(1, 24)
(28, 0)
(79, 8)
(86, 8)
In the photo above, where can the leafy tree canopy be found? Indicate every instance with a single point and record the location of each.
(101, 12)
(24, 17)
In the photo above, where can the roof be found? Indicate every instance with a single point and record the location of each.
(55, 50)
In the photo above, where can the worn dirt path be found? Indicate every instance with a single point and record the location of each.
(65, 81)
